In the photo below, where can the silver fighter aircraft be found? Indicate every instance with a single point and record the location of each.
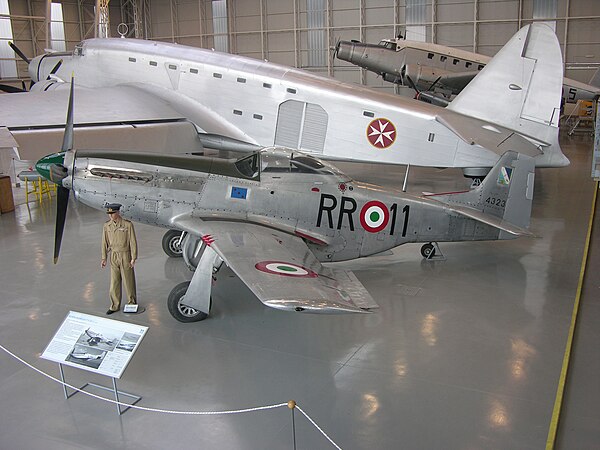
(436, 71)
(275, 215)
(141, 93)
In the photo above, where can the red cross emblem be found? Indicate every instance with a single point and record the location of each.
(381, 133)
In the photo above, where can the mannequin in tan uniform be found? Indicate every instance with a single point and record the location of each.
(118, 237)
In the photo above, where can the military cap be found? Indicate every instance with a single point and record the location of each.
(113, 207)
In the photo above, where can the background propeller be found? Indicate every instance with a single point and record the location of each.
(12, 89)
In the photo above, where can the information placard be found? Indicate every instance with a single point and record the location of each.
(100, 345)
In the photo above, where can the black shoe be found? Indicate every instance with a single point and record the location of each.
(109, 312)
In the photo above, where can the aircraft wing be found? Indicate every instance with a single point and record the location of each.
(132, 116)
(280, 269)
(457, 80)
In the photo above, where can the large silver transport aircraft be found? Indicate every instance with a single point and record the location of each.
(242, 103)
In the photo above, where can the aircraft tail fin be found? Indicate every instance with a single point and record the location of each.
(595, 80)
(503, 199)
(521, 87)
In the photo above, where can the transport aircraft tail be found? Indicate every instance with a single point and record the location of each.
(520, 89)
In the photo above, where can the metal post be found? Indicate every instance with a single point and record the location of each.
(292, 406)
(114, 382)
(62, 378)
(405, 178)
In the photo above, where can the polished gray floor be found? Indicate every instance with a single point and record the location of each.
(463, 353)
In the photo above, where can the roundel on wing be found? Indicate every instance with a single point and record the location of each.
(381, 133)
(285, 269)
(374, 216)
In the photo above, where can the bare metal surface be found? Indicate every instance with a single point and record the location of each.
(462, 353)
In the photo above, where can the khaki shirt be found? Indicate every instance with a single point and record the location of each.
(119, 236)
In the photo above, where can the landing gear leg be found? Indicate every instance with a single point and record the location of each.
(431, 251)
(191, 301)
(476, 182)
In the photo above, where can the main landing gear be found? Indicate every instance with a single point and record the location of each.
(171, 243)
(191, 301)
(431, 251)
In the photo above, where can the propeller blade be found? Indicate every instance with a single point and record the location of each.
(411, 83)
(18, 51)
(68, 137)
(55, 68)
(10, 89)
(62, 201)
(434, 83)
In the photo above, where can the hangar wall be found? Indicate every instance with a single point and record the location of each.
(280, 30)
(300, 32)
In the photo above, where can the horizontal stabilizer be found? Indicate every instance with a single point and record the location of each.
(493, 221)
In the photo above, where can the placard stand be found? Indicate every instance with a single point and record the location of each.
(114, 390)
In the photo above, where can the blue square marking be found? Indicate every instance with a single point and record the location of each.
(239, 192)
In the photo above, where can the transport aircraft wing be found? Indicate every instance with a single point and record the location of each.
(280, 269)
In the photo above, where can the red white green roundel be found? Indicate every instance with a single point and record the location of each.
(374, 216)
(285, 269)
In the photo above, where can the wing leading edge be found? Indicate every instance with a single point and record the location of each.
(280, 269)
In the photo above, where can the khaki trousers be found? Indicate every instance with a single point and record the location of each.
(120, 271)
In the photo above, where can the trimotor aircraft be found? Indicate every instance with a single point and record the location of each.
(275, 215)
(436, 71)
(241, 103)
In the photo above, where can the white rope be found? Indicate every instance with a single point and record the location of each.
(166, 411)
(318, 428)
(142, 408)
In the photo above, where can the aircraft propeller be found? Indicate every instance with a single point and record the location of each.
(18, 51)
(427, 96)
(12, 89)
(52, 166)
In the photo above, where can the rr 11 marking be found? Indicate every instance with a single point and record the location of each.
(374, 215)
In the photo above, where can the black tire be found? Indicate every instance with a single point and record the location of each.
(180, 312)
(427, 251)
(170, 244)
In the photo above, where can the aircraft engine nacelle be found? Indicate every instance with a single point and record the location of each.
(49, 85)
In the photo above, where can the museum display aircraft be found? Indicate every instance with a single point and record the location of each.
(435, 71)
(144, 95)
(275, 215)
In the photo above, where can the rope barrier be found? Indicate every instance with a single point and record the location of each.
(167, 411)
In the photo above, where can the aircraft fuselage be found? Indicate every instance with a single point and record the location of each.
(340, 219)
(268, 104)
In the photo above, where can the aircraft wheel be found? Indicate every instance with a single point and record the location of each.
(170, 244)
(179, 311)
(427, 250)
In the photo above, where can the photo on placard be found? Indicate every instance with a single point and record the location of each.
(86, 356)
(128, 341)
(99, 339)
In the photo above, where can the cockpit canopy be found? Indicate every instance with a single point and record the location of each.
(387, 44)
(282, 160)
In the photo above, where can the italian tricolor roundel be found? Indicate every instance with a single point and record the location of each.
(374, 216)
(285, 269)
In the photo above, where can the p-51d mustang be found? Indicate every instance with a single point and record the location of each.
(237, 103)
(275, 215)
